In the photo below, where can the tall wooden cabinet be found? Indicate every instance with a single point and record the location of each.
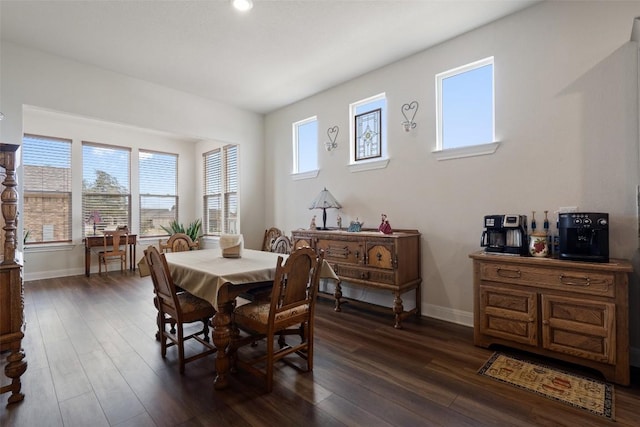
(371, 259)
(11, 290)
(573, 311)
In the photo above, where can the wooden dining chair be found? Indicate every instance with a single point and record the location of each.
(292, 305)
(270, 236)
(181, 308)
(115, 247)
(178, 242)
(282, 245)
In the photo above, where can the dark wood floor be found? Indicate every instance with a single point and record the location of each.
(93, 361)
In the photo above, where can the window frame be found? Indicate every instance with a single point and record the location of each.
(295, 129)
(86, 215)
(68, 223)
(443, 153)
(378, 162)
(175, 197)
(225, 194)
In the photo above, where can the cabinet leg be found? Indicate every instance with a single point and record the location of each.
(338, 294)
(15, 367)
(398, 309)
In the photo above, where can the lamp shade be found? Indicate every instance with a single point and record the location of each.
(324, 201)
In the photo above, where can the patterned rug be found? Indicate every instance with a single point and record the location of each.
(581, 392)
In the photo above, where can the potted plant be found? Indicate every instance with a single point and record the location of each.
(192, 230)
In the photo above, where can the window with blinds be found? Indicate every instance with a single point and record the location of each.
(221, 191)
(158, 191)
(46, 217)
(106, 197)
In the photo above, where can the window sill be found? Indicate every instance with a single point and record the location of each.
(473, 150)
(368, 165)
(304, 175)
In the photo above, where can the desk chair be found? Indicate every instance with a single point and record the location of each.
(117, 250)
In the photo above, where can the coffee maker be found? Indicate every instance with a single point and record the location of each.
(506, 234)
(584, 236)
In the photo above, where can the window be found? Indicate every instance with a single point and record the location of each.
(367, 132)
(158, 191)
(106, 197)
(221, 191)
(305, 146)
(47, 189)
(465, 110)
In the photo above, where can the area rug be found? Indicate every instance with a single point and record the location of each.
(581, 392)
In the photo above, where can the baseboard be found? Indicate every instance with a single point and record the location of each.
(459, 317)
(52, 274)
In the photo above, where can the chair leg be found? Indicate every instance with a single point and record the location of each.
(269, 363)
(181, 347)
(205, 328)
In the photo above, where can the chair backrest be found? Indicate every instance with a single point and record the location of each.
(179, 242)
(163, 284)
(282, 245)
(270, 236)
(118, 240)
(295, 284)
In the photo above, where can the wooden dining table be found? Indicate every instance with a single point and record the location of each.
(207, 274)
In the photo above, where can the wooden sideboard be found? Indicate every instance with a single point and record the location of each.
(11, 287)
(573, 311)
(371, 259)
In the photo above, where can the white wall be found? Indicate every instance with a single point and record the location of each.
(33, 78)
(566, 117)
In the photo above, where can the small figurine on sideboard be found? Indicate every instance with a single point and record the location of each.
(385, 227)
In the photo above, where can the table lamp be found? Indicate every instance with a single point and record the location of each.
(324, 201)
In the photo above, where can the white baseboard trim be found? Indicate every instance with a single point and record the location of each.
(52, 274)
(448, 314)
(465, 318)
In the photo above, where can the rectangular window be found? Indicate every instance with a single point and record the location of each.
(221, 201)
(305, 145)
(47, 189)
(158, 191)
(106, 196)
(465, 98)
(368, 127)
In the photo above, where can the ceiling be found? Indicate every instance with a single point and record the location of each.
(261, 60)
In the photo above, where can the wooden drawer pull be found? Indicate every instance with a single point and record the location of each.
(575, 281)
(511, 274)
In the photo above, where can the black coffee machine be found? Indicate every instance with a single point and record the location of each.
(505, 234)
(584, 236)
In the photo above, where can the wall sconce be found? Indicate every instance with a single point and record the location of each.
(412, 109)
(332, 133)
(1, 115)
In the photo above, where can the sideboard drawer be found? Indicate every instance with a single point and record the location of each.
(350, 252)
(351, 272)
(582, 282)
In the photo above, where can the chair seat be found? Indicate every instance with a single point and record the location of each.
(255, 315)
(194, 307)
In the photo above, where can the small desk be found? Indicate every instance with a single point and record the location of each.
(98, 241)
(206, 274)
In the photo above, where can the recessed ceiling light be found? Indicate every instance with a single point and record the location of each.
(242, 5)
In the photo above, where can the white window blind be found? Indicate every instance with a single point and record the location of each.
(106, 197)
(158, 191)
(47, 189)
(221, 202)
